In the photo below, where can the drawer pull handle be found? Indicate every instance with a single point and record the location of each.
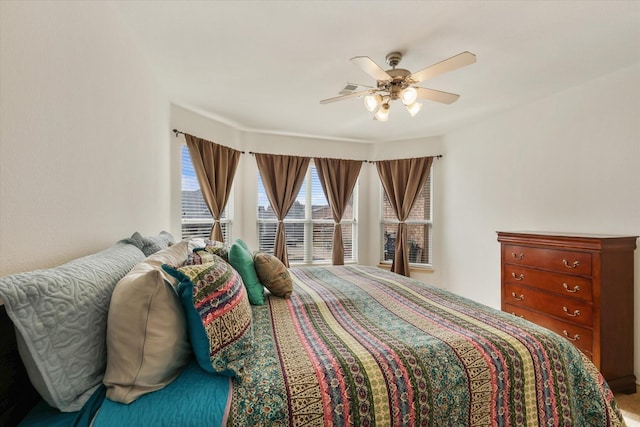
(574, 314)
(573, 265)
(516, 256)
(520, 277)
(574, 290)
(519, 298)
(519, 315)
(576, 337)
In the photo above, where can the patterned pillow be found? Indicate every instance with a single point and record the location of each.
(218, 315)
(60, 316)
(273, 274)
(241, 259)
(217, 248)
(204, 254)
(199, 256)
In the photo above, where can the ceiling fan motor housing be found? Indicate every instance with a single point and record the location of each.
(398, 83)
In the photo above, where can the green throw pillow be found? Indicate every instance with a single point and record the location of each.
(241, 259)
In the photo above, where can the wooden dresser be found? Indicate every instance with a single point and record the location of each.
(579, 286)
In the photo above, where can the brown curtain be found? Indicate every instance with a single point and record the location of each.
(402, 180)
(215, 167)
(282, 177)
(338, 178)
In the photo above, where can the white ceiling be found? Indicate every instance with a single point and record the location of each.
(265, 65)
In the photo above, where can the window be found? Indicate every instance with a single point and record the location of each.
(196, 218)
(309, 224)
(419, 226)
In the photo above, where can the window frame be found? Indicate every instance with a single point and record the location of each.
(308, 223)
(394, 221)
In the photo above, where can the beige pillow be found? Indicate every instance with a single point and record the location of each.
(147, 338)
(273, 274)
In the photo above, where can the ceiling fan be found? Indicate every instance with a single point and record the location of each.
(398, 83)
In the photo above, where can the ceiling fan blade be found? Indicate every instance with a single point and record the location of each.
(437, 96)
(453, 63)
(368, 66)
(351, 95)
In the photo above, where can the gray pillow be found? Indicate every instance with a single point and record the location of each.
(153, 244)
(60, 317)
(150, 244)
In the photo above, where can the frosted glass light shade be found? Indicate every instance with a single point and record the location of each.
(382, 114)
(414, 108)
(409, 96)
(372, 102)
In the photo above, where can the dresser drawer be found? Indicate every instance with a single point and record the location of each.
(561, 284)
(579, 336)
(569, 310)
(569, 262)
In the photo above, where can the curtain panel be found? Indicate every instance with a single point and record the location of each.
(215, 166)
(282, 177)
(402, 181)
(338, 178)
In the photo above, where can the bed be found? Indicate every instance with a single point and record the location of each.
(358, 345)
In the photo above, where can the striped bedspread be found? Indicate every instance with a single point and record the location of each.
(360, 346)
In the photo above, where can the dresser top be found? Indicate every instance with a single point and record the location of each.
(561, 239)
(565, 234)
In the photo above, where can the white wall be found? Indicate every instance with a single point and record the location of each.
(569, 162)
(84, 147)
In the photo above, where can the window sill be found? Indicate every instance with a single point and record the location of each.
(412, 267)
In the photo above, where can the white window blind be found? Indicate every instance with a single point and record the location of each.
(419, 228)
(308, 224)
(196, 217)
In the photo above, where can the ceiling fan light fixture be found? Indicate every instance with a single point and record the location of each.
(372, 102)
(414, 108)
(409, 95)
(382, 115)
(398, 83)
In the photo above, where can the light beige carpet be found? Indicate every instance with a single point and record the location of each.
(629, 404)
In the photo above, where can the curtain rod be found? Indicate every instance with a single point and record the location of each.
(364, 161)
(438, 156)
(179, 132)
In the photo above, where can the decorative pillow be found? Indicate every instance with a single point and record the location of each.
(147, 338)
(60, 316)
(153, 244)
(217, 248)
(273, 274)
(136, 240)
(241, 259)
(204, 253)
(199, 256)
(150, 244)
(218, 315)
